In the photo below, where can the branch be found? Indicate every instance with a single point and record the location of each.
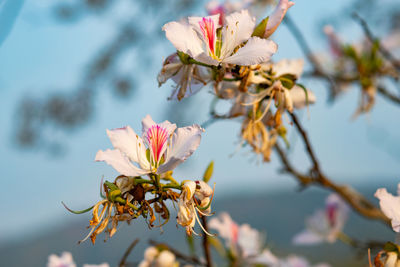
(189, 259)
(388, 95)
(357, 201)
(122, 263)
(206, 244)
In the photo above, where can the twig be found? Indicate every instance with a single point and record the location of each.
(188, 259)
(358, 202)
(373, 39)
(127, 252)
(206, 245)
(388, 95)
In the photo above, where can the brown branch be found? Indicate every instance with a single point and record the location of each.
(206, 244)
(388, 95)
(358, 202)
(122, 263)
(395, 62)
(189, 259)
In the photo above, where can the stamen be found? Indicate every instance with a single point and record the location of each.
(201, 226)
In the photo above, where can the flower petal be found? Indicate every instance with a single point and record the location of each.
(119, 162)
(206, 27)
(256, 51)
(147, 122)
(277, 16)
(307, 237)
(184, 38)
(390, 206)
(238, 28)
(286, 66)
(184, 142)
(299, 98)
(129, 143)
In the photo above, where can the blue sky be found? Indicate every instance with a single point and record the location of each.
(40, 53)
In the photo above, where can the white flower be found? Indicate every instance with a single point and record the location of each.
(242, 240)
(161, 148)
(97, 265)
(65, 260)
(199, 39)
(277, 16)
(195, 198)
(390, 205)
(269, 259)
(299, 97)
(324, 225)
(189, 78)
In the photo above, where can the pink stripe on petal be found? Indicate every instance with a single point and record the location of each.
(157, 137)
(208, 29)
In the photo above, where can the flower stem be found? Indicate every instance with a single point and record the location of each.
(193, 61)
(175, 186)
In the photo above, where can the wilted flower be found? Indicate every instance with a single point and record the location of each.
(189, 78)
(325, 225)
(154, 257)
(196, 197)
(161, 149)
(390, 205)
(199, 39)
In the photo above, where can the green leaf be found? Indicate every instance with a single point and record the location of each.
(190, 241)
(288, 80)
(260, 29)
(209, 172)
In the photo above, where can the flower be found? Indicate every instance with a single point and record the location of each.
(156, 258)
(199, 39)
(324, 225)
(189, 78)
(161, 148)
(390, 205)
(277, 16)
(244, 241)
(196, 197)
(65, 260)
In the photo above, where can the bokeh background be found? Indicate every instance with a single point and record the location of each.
(69, 70)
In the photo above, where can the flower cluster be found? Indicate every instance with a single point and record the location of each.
(154, 155)
(232, 53)
(359, 63)
(157, 257)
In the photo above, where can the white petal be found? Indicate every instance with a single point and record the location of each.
(238, 28)
(205, 58)
(266, 258)
(150, 253)
(292, 66)
(190, 188)
(225, 226)
(249, 240)
(307, 237)
(194, 22)
(184, 142)
(64, 260)
(390, 205)
(97, 265)
(256, 51)
(184, 38)
(165, 259)
(128, 142)
(299, 97)
(119, 162)
(277, 16)
(147, 122)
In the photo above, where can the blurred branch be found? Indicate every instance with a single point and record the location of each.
(358, 202)
(206, 244)
(128, 251)
(179, 255)
(395, 62)
(388, 95)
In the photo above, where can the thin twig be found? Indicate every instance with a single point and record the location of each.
(388, 95)
(206, 244)
(179, 255)
(122, 263)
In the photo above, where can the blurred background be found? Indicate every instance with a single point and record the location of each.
(71, 69)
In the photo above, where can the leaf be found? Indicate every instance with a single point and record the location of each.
(391, 247)
(287, 80)
(260, 29)
(209, 172)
